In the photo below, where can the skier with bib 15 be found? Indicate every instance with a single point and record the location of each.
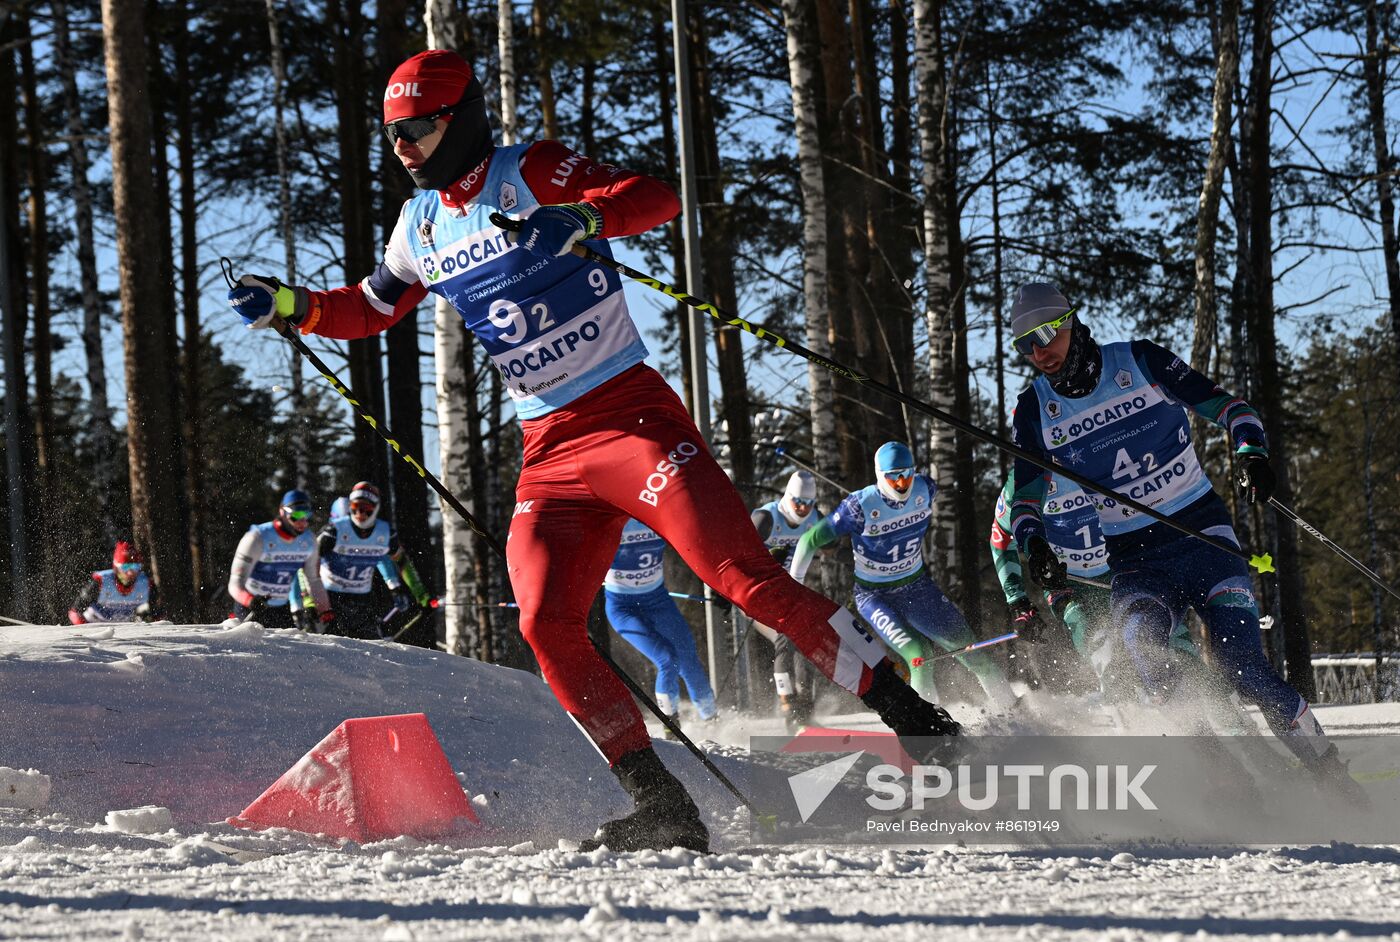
(605, 438)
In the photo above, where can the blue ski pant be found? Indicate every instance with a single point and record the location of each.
(917, 620)
(651, 623)
(1153, 588)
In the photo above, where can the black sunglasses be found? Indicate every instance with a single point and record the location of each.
(414, 130)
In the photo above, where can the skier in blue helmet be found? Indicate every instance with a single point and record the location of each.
(886, 522)
(267, 561)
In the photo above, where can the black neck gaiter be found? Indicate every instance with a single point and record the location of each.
(1079, 375)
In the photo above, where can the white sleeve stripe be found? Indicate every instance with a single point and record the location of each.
(380, 306)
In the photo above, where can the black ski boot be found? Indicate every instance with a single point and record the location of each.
(926, 731)
(666, 817)
(1332, 776)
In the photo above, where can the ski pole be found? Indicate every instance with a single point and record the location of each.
(999, 639)
(806, 467)
(375, 423)
(1263, 563)
(1363, 569)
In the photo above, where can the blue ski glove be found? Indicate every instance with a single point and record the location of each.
(256, 298)
(1253, 474)
(553, 230)
(403, 601)
(1045, 567)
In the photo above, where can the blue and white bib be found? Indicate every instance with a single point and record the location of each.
(783, 534)
(114, 605)
(554, 327)
(272, 575)
(349, 566)
(1072, 528)
(637, 567)
(887, 538)
(1127, 434)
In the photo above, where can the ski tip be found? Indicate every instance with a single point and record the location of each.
(1264, 563)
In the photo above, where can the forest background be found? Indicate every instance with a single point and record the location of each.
(873, 178)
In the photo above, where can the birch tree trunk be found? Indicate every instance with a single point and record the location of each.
(151, 421)
(1227, 64)
(505, 42)
(104, 436)
(1375, 70)
(929, 84)
(449, 348)
(802, 71)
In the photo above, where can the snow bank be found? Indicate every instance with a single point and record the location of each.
(24, 788)
(200, 719)
(149, 819)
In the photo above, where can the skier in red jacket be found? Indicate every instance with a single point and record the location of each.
(605, 436)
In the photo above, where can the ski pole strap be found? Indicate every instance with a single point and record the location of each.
(1363, 569)
(1263, 563)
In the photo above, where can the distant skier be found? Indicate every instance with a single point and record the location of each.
(644, 614)
(886, 522)
(122, 593)
(267, 561)
(781, 523)
(1116, 413)
(352, 547)
(605, 437)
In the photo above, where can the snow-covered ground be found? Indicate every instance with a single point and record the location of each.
(143, 738)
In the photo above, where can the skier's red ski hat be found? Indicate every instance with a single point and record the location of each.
(426, 84)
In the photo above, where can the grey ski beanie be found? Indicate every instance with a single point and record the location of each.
(1035, 304)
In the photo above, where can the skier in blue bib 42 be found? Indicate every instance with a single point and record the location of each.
(643, 612)
(886, 522)
(1117, 414)
(267, 561)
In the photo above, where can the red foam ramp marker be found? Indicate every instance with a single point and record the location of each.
(370, 779)
(883, 744)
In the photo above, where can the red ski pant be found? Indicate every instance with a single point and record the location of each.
(628, 449)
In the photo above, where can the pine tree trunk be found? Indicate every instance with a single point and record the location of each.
(544, 77)
(717, 260)
(366, 363)
(1375, 69)
(19, 433)
(1297, 649)
(301, 458)
(191, 356)
(802, 63)
(410, 492)
(42, 342)
(151, 419)
(104, 436)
